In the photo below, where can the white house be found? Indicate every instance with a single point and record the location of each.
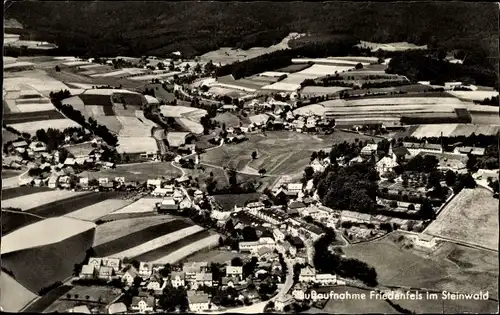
(154, 183)
(307, 274)
(234, 271)
(294, 188)
(253, 247)
(203, 279)
(423, 240)
(369, 149)
(142, 304)
(129, 275)
(177, 279)
(95, 261)
(87, 272)
(253, 207)
(278, 235)
(326, 279)
(386, 164)
(145, 270)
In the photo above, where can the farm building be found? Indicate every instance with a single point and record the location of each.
(416, 148)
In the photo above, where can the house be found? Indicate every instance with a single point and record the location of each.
(369, 149)
(159, 192)
(129, 275)
(114, 263)
(52, 183)
(178, 195)
(229, 282)
(203, 279)
(307, 274)
(96, 262)
(253, 207)
(69, 162)
(142, 304)
(198, 194)
(298, 291)
(153, 183)
(469, 150)
(272, 216)
(20, 144)
(193, 268)
(167, 204)
(105, 273)
(117, 308)
(177, 279)
(198, 302)
(294, 188)
(185, 204)
(254, 246)
(278, 235)
(87, 272)
(402, 153)
(423, 240)
(283, 301)
(155, 283)
(326, 279)
(355, 160)
(145, 270)
(83, 182)
(234, 271)
(38, 146)
(416, 148)
(297, 206)
(263, 251)
(386, 164)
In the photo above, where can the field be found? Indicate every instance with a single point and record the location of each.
(435, 271)
(26, 202)
(159, 242)
(320, 90)
(354, 306)
(14, 220)
(107, 294)
(453, 130)
(98, 210)
(7, 135)
(60, 229)
(131, 240)
(46, 300)
(137, 172)
(215, 256)
(10, 193)
(294, 68)
(227, 202)
(474, 95)
(39, 267)
(14, 296)
(399, 46)
(471, 217)
(20, 118)
(280, 153)
(32, 127)
(141, 205)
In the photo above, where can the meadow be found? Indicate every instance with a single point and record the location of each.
(137, 172)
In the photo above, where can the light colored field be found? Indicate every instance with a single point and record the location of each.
(98, 210)
(159, 242)
(322, 70)
(82, 85)
(282, 86)
(235, 87)
(38, 199)
(181, 111)
(355, 58)
(76, 63)
(137, 172)
(399, 46)
(272, 74)
(474, 95)
(329, 61)
(321, 90)
(316, 109)
(115, 229)
(149, 77)
(471, 217)
(14, 296)
(35, 79)
(44, 232)
(215, 256)
(108, 74)
(405, 101)
(435, 130)
(190, 125)
(90, 66)
(141, 205)
(95, 110)
(136, 144)
(32, 127)
(34, 107)
(212, 240)
(133, 127)
(222, 91)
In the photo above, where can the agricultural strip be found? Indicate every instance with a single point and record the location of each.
(14, 296)
(135, 239)
(38, 199)
(39, 267)
(98, 210)
(159, 242)
(15, 220)
(162, 251)
(46, 300)
(10, 193)
(16, 118)
(202, 244)
(471, 217)
(140, 206)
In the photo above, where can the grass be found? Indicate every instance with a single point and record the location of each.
(137, 172)
(10, 193)
(98, 210)
(140, 206)
(355, 306)
(227, 202)
(435, 130)
(14, 296)
(12, 221)
(7, 135)
(294, 68)
(31, 127)
(39, 267)
(18, 118)
(208, 242)
(215, 256)
(435, 271)
(119, 244)
(159, 242)
(165, 250)
(107, 294)
(279, 153)
(471, 217)
(45, 301)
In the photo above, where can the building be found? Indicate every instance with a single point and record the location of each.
(270, 215)
(129, 275)
(177, 279)
(117, 308)
(416, 148)
(283, 301)
(203, 279)
(114, 263)
(190, 270)
(326, 279)
(142, 304)
(423, 240)
(145, 270)
(253, 247)
(159, 192)
(229, 282)
(105, 273)
(96, 262)
(294, 188)
(198, 302)
(234, 271)
(469, 150)
(386, 164)
(296, 206)
(52, 183)
(87, 272)
(167, 204)
(307, 274)
(369, 149)
(278, 235)
(254, 207)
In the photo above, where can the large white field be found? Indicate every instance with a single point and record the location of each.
(32, 127)
(322, 90)
(38, 199)
(182, 111)
(34, 107)
(141, 205)
(133, 127)
(405, 101)
(44, 232)
(159, 242)
(14, 296)
(272, 74)
(282, 86)
(98, 210)
(136, 144)
(434, 130)
(34, 79)
(399, 46)
(190, 125)
(322, 70)
(330, 61)
(314, 109)
(179, 254)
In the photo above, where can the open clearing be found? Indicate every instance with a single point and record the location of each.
(141, 205)
(159, 242)
(38, 199)
(215, 256)
(280, 153)
(98, 210)
(354, 306)
(32, 127)
(474, 95)
(14, 296)
(60, 228)
(397, 266)
(115, 229)
(132, 240)
(137, 172)
(471, 217)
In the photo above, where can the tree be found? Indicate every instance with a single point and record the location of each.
(58, 69)
(87, 297)
(254, 155)
(426, 211)
(411, 207)
(262, 172)
(314, 155)
(249, 234)
(68, 296)
(308, 173)
(450, 178)
(359, 66)
(236, 262)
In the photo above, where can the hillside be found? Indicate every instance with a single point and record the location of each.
(135, 28)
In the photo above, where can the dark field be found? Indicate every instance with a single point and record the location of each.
(227, 202)
(12, 221)
(139, 237)
(46, 300)
(15, 118)
(21, 191)
(170, 248)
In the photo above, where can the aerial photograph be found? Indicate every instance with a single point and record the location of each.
(230, 157)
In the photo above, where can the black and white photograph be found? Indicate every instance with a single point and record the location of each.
(231, 157)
